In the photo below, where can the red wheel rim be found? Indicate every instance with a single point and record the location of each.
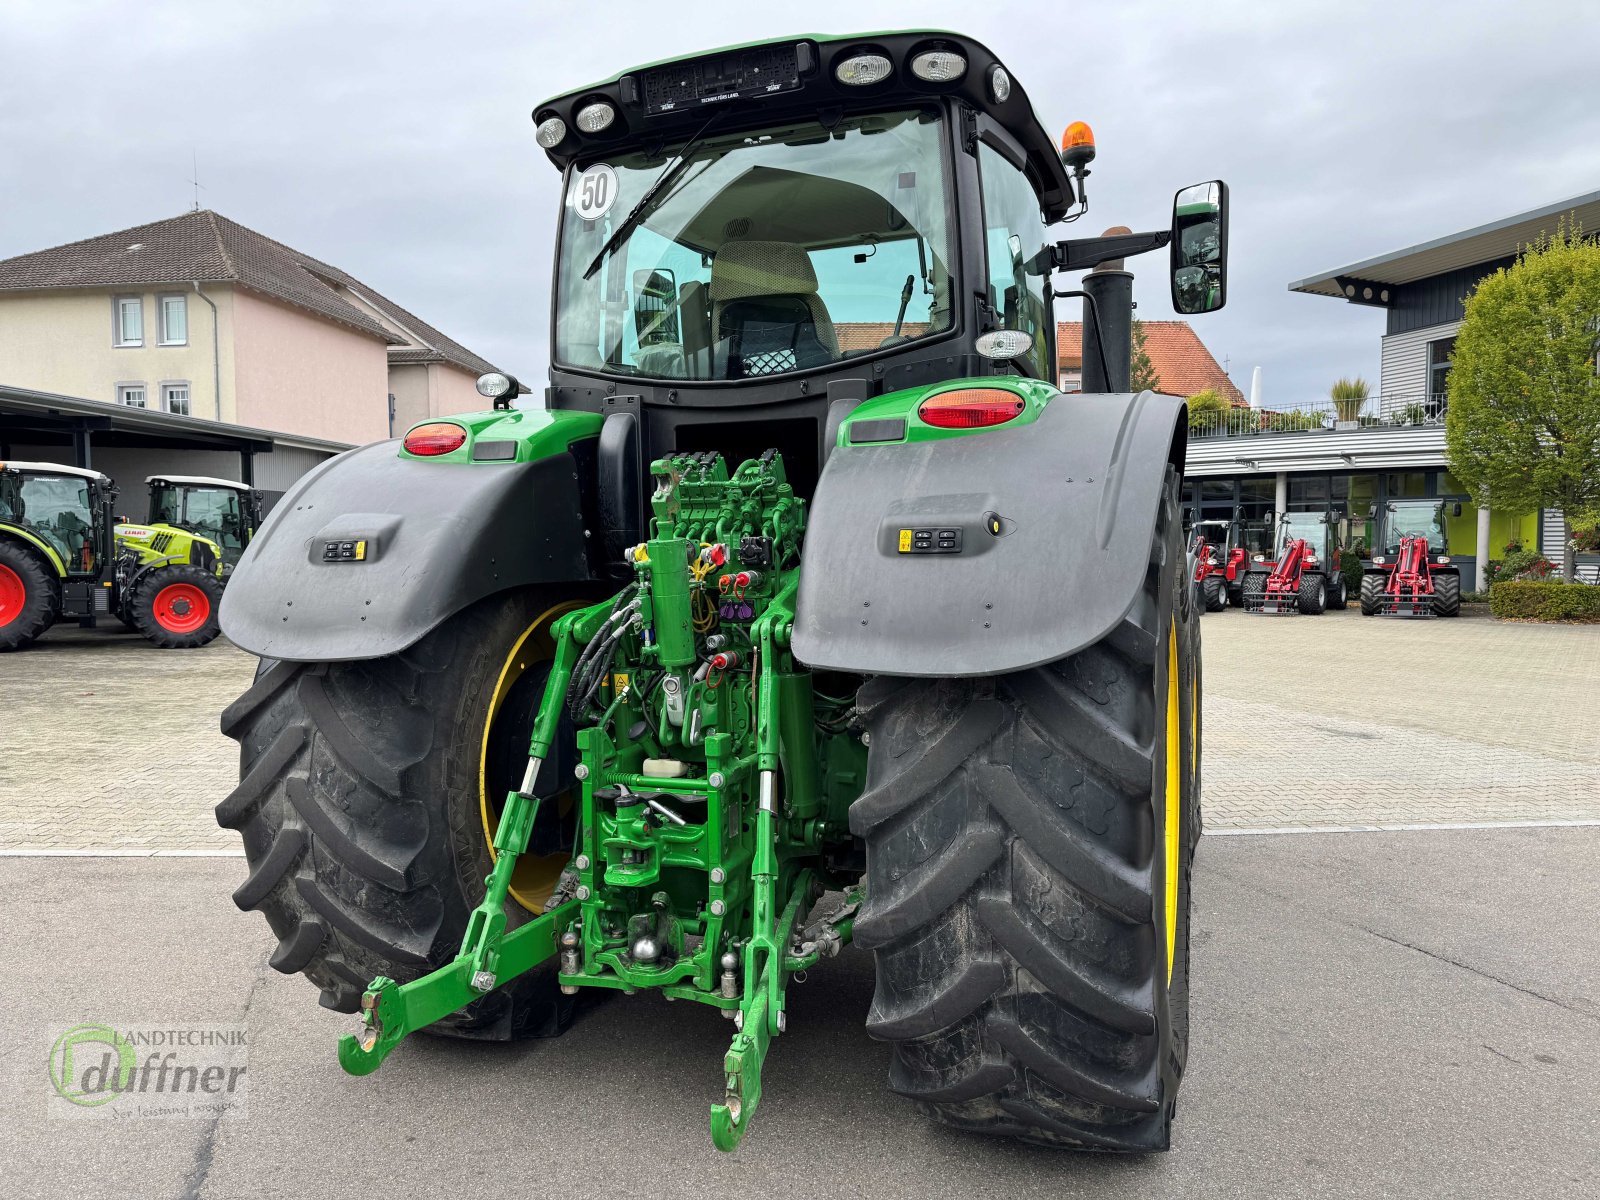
(181, 608)
(12, 596)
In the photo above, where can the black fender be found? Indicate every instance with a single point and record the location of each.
(1054, 520)
(414, 542)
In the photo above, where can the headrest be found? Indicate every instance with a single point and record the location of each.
(743, 269)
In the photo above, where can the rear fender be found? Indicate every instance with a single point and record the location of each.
(1054, 517)
(414, 541)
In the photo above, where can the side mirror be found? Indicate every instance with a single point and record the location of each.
(1372, 512)
(1199, 248)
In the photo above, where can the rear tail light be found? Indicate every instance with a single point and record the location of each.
(971, 408)
(436, 437)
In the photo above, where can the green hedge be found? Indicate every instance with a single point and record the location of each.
(1538, 600)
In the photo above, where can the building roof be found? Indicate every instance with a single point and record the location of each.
(1181, 360)
(206, 247)
(26, 411)
(1480, 244)
(869, 335)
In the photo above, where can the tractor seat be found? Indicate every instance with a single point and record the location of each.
(766, 315)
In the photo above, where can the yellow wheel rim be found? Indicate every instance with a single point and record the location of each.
(1174, 759)
(535, 876)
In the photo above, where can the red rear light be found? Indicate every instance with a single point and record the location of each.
(436, 437)
(971, 408)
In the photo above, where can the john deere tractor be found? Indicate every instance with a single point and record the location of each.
(801, 610)
(64, 557)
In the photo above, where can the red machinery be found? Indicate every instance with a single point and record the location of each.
(1411, 575)
(1305, 577)
(1282, 593)
(1219, 564)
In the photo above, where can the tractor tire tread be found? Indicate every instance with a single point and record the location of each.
(41, 597)
(360, 857)
(1447, 594)
(140, 607)
(1010, 894)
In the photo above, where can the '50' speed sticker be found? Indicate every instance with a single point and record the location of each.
(594, 192)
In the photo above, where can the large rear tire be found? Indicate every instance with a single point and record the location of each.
(359, 803)
(1371, 595)
(28, 596)
(176, 607)
(1213, 593)
(1029, 845)
(1447, 594)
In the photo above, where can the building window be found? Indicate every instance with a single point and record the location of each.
(175, 398)
(128, 317)
(1072, 381)
(131, 394)
(1439, 355)
(174, 320)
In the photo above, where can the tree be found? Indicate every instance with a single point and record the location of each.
(1523, 424)
(1208, 409)
(1144, 371)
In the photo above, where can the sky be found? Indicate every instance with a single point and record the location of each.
(394, 139)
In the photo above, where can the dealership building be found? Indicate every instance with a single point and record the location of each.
(1253, 461)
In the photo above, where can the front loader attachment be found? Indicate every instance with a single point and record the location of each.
(703, 816)
(1409, 590)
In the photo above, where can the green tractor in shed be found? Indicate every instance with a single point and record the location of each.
(804, 611)
(64, 556)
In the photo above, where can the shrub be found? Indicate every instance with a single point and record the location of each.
(1541, 600)
(1519, 564)
(1350, 568)
(1208, 409)
(1348, 395)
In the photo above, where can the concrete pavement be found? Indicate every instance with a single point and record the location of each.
(1383, 1014)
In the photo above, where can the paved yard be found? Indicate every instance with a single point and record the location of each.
(1371, 1018)
(110, 745)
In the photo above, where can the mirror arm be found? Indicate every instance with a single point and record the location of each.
(1078, 254)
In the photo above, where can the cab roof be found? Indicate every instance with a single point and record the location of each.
(199, 481)
(50, 468)
(777, 79)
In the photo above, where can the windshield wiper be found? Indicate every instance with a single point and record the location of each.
(637, 212)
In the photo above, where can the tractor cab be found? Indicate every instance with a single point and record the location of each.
(756, 241)
(224, 512)
(1402, 519)
(61, 511)
(1315, 528)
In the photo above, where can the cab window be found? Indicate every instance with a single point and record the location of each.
(1013, 233)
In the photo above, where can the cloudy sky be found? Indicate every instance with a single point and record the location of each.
(393, 139)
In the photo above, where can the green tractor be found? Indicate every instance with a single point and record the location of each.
(803, 610)
(220, 514)
(63, 556)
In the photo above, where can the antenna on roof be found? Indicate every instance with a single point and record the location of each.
(195, 160)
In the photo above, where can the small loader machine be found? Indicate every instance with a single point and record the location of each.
(1220, 561)
(64, 557)
(1410, 574)
(801, 613)
(1302, 575)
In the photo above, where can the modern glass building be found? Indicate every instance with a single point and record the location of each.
(1355, 456)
